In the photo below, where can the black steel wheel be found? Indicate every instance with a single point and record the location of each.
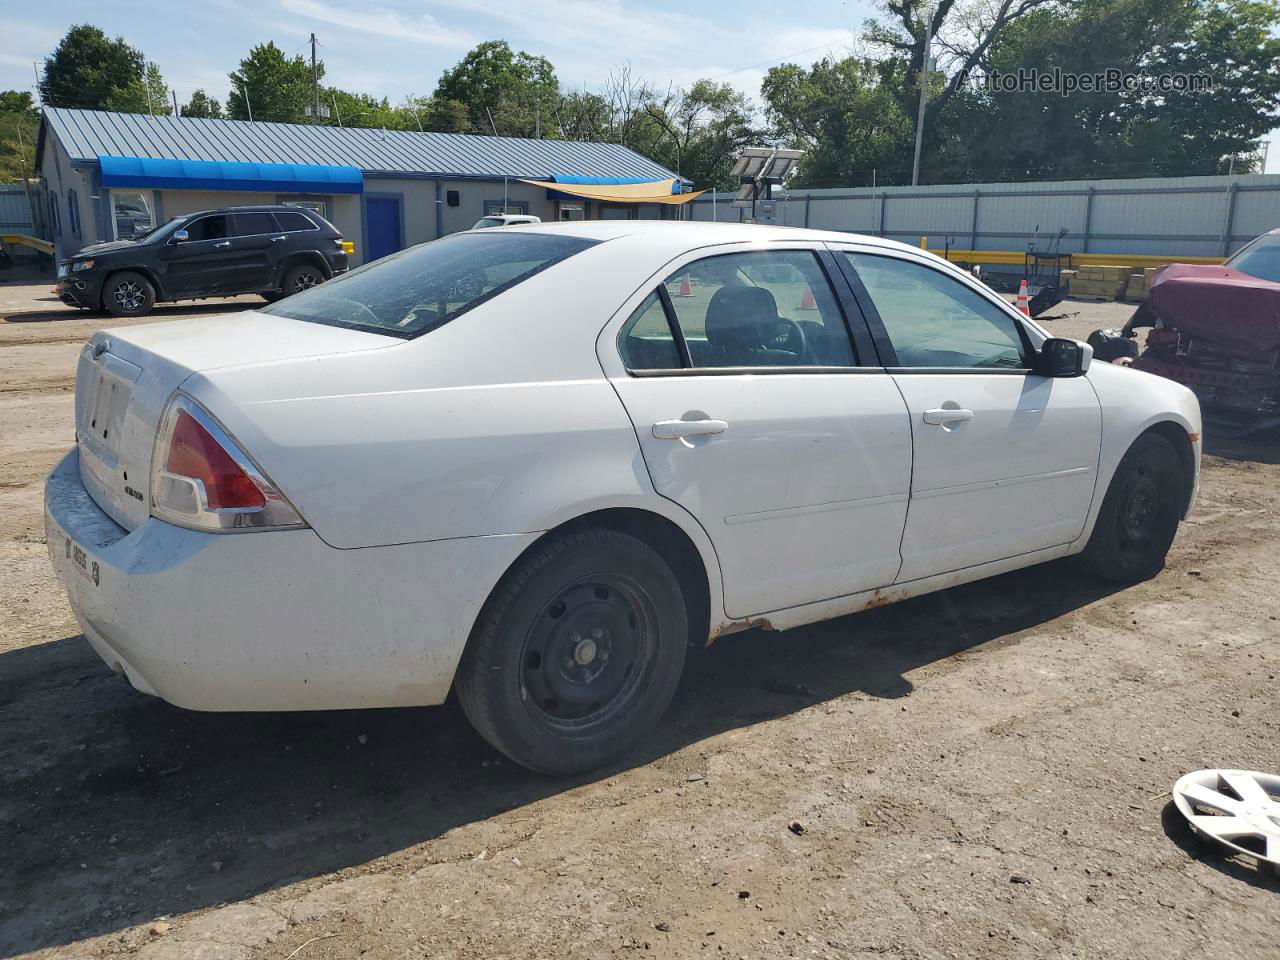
(128, 294)
(577, 653)
(1139, 515)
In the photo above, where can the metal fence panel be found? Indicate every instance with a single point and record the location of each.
(15, 211)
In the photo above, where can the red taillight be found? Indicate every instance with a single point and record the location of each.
(194, 453)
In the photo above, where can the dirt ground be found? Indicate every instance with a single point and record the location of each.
(982, 773)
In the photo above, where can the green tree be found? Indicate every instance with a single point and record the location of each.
(509, 93)
(702, 127)
(848, 115)
(202, 105)
(278, 87)
(18, 123)
(149, 94)
(91, 71)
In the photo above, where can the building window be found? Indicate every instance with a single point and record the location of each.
(73, 212)
(133, 215)
(55, 225)
(611, 211)
(320, 207)
(498, 207)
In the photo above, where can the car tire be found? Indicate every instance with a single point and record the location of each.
(577, 653)
(301, 276)
(128, 294)
(271, 296)
(1139, 515)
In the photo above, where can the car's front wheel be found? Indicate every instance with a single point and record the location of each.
(128, 294)
(577, 653)
(1139, 515)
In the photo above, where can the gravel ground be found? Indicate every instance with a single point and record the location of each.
(982, 773)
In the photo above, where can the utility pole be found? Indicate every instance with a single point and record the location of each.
(924, 90)
(315, 83)
(175, 102)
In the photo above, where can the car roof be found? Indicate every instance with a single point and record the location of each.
(678, 235)
(251, 208)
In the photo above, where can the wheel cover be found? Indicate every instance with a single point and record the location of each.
(1239, 809)
(585, 652)
(129, 295)
(1143, 511)
(305, 280)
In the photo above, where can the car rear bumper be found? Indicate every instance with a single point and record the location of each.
(268, 620)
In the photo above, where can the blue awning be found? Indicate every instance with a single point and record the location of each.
(213, 175)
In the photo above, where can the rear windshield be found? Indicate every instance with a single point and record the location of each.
(416, 290)
(488, 222)
(1259, 259)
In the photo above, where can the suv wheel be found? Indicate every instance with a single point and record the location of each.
(299, 278)
(128, 294)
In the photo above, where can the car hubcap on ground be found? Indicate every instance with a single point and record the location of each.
(305, 280)
(1239, 809)
(583, 653)
(129, 295)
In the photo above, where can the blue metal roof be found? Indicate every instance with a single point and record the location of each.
(219, 175)
(90, 134)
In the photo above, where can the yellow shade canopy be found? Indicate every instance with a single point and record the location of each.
(657, 191)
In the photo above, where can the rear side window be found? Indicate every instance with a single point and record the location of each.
(646, 342)
(770, 308)
(207, 228)
(254, 224)
(416, 290)
(293, 222)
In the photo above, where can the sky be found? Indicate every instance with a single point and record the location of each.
(395, 48)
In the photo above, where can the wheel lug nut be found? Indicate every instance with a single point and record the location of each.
(604, 655)
(597, 633)
(568, 664)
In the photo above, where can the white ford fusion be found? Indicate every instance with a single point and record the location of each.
(534, 464)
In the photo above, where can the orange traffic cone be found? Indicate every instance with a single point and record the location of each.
(807, 302)
(1024, 302)
(686, 287)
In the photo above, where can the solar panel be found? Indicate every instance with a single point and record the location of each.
(751, 161)
(746, 194)
(780, 164)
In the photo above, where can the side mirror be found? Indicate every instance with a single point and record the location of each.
(181, 236)
(1060, 357)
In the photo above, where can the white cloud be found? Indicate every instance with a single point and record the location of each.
(421, 28)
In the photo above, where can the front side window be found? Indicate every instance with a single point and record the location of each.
(933, 320)
(132, 214)
(769, 308)
(207, 228)
(416, 290)
(254, 224)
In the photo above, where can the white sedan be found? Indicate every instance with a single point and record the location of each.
(534, 464)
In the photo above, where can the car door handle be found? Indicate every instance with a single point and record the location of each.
(222, 245)
(277, 239)
(947, 415)
(679, 429)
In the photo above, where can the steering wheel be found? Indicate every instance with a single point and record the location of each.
(789, 336)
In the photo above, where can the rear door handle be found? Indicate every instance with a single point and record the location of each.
(947, 415)
(679, 429)
(222, 245)
(278, 239)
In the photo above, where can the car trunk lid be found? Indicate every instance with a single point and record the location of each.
(126, 376)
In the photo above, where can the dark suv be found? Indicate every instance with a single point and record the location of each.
(271, 250)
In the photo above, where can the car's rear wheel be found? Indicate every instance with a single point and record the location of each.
(271, 296)
(128, 294)
(302, 276)
(577, 653)
(1139, 515)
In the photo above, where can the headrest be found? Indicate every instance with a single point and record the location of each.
(740, 315)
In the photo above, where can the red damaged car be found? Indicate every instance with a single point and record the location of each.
(1215, 329)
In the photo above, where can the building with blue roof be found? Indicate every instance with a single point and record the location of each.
(108, 176)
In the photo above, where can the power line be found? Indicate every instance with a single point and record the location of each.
(785, 56)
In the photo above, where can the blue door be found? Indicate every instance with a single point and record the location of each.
(382, 226)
